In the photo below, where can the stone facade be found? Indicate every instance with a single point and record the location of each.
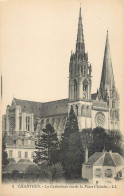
(92, 110)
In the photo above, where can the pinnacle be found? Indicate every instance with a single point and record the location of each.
(80, 38)
(107, 77)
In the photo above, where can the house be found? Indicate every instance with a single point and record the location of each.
(20, 147)
(103, 167)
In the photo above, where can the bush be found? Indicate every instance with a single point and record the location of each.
(57, 172)
(15, 174)
(45, 171)
(33, 169)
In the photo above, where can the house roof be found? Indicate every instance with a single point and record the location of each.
(21, 167)
(108, 160)
(105, 159)
(118, 159)
(92, 159)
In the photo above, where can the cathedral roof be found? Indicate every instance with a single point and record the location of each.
(29, 106)
(107, 77)
(55, 108)
(40, 109)
(44, 109)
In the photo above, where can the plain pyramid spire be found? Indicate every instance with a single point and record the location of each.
(107, 77)
(80, 47)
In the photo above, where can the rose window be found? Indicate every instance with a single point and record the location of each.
(100, 119)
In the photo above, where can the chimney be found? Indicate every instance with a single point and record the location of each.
(86, 155)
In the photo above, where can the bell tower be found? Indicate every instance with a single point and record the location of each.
(80, 76)
(79, 69)
(108, 90)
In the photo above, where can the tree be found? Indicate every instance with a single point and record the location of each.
(57, 172)
(71, 124)
(47, 146)
(116, 141)
(5, 160)
(71, 150)
(87, 138)
(98, 139)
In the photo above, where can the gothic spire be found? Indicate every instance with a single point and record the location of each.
(107, 77)
(80, 47)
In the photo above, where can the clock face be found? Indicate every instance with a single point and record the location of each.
(100, 119)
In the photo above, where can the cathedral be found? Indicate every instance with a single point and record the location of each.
(28, 118)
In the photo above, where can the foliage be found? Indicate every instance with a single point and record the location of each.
(71, 151)
(47, 146)
(57, 172)
(98, 139)
(32, 169)
(45, 171)
(71, 124)
(116, 141)
(5, 160)
(87, 138)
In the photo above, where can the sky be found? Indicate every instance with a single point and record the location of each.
(36, 39)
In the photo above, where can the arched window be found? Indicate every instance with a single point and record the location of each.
(75, 89)
(113, 104)
(76, 110)
(88, 111)
(64, 122)
(116, 125)
(4, 123)
(81, 69)
(57, 123)
(53, 121)
(47, 121)
(42, 123)
(111, 114)
(85, 88)
(71, 83)
(112, 125)
(115, 114)
(28, 123)
(83, 111)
